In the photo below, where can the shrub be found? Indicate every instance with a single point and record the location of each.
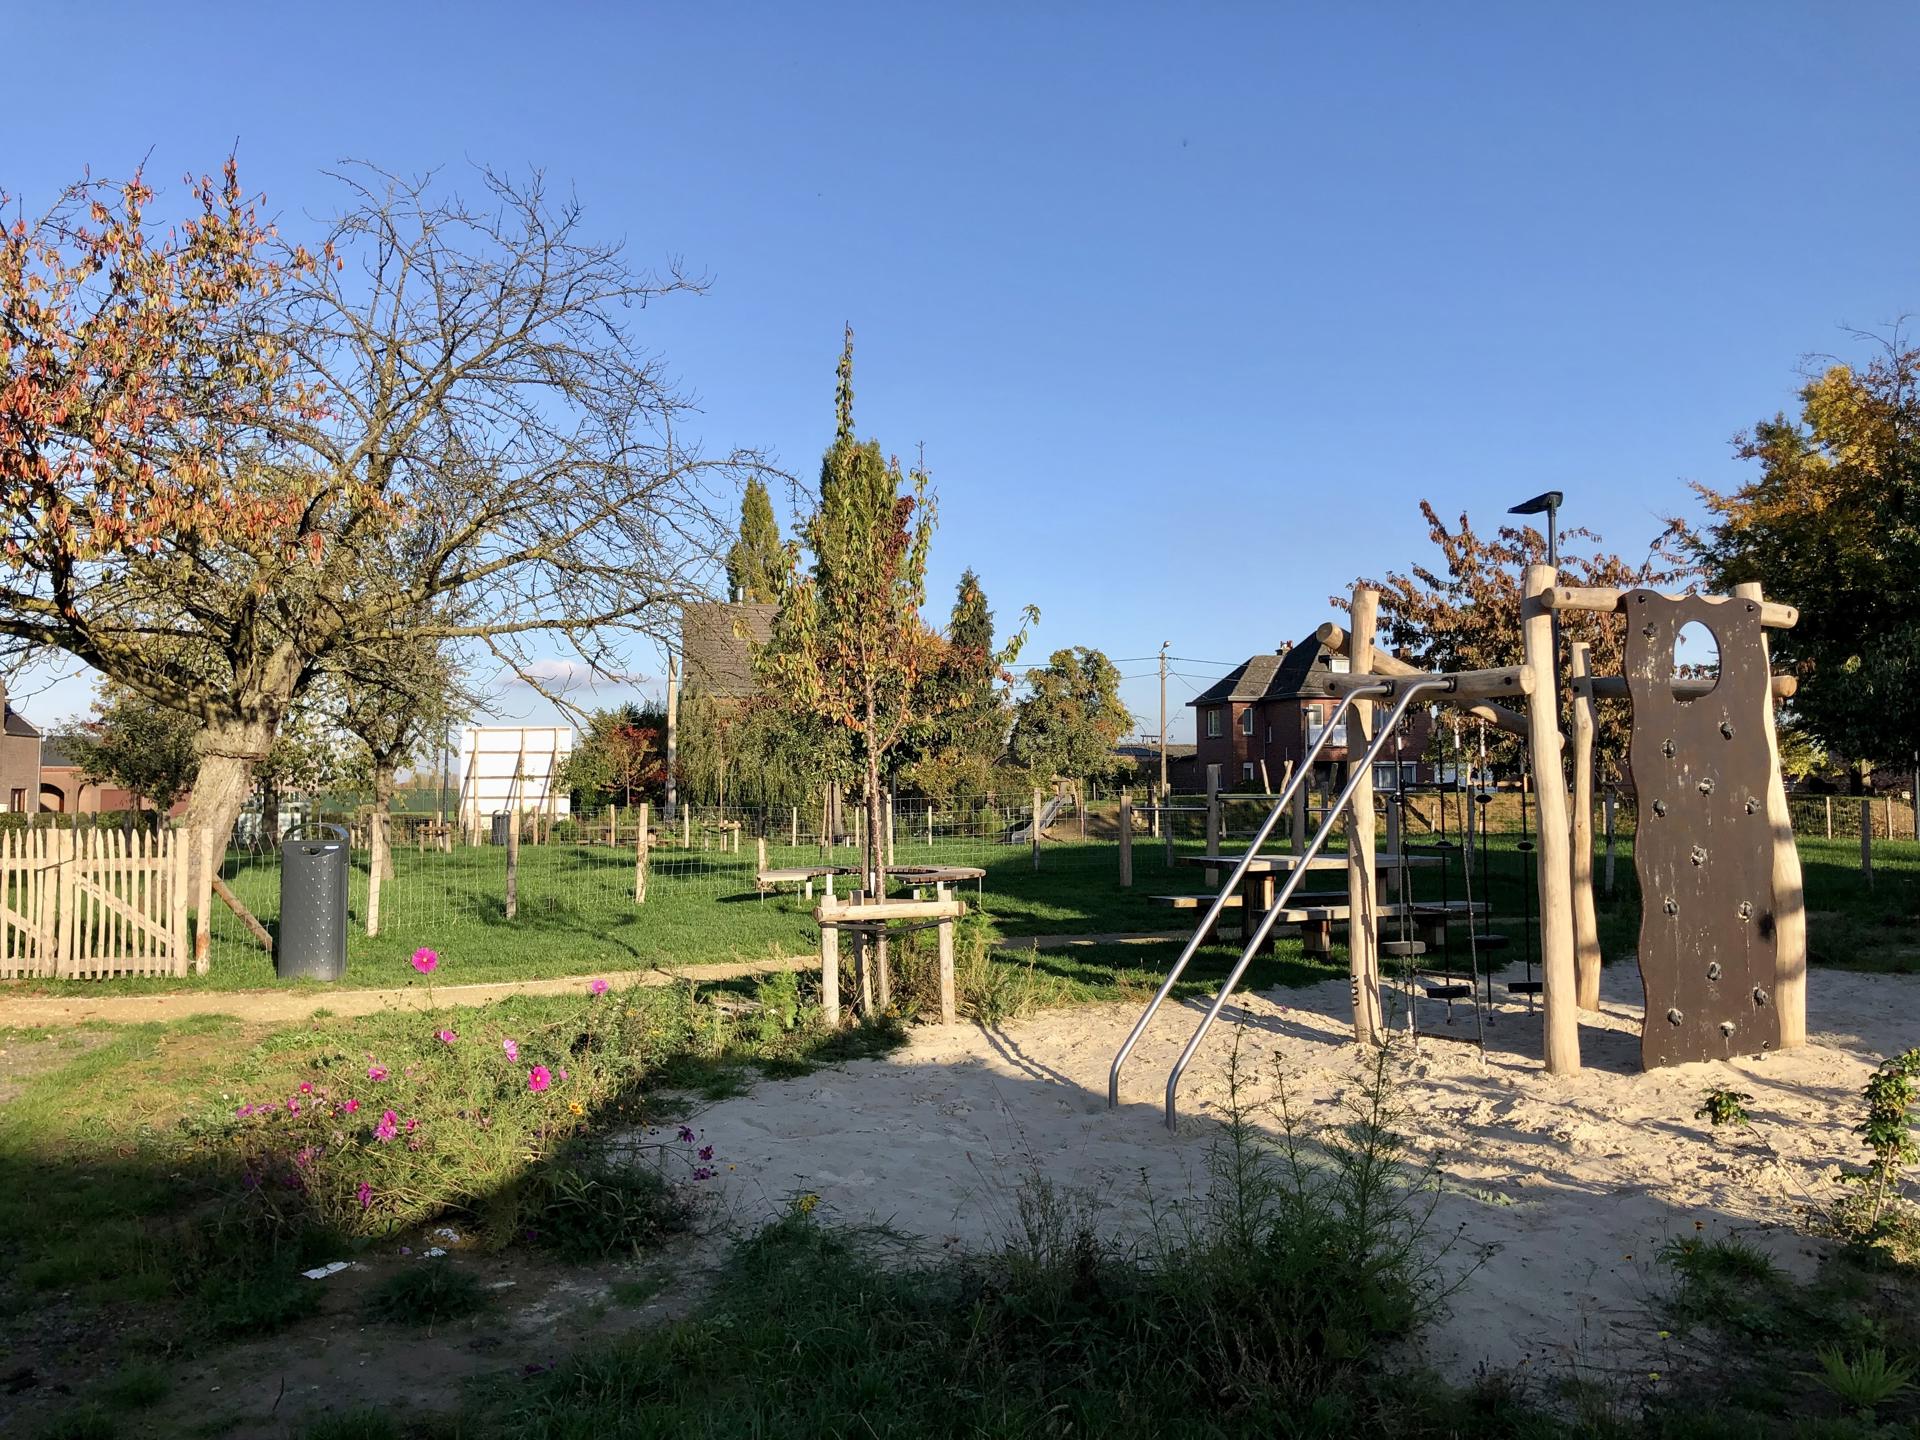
(1722, 1106)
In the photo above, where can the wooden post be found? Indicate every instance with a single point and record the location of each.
(1126, 839)
(513, 863)
(929, 827)
(1213, 823)
(1033, 830)
(1611, 802)
(1866, 838)
(613, 827)
(793, 829)
(1363, 931)
(1300, 801)
(1080, 805)
(1789, 892)
(202, 898)
(1156, 799)
(759, 853)
(1829, 817)
(887, 808)
(1561, 1000)
(1586, 923)
(642, 850)
(947, 1008)
(373, 882)
(686, 827)
(830, 971)
(863, 963)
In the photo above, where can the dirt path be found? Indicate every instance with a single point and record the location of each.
(289, 1005)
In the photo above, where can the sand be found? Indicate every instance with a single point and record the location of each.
(1561, 1192)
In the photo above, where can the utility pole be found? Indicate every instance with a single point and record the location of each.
(1163, 725)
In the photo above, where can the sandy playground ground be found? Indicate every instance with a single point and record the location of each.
(1563, 1191)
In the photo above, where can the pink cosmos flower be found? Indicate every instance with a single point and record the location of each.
(347, 1107)
(598, 987)
(512, 1048)
(686, 1135)
(306, 1087)
(706, 1152)
(563, 1074)
(538, 1079)
(376, 1072)
(425, 961)
(412, 1125)
(388, 1127)
(447, 1037)
(364, 1194)
(293, 1107)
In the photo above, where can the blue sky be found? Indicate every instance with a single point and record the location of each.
(1190, 305)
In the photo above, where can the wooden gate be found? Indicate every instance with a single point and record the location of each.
(29, 882)
(123, 904)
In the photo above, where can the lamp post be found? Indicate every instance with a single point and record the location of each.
(1548, 504)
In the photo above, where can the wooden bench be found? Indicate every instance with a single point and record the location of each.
(1317, 912)
(802, 875)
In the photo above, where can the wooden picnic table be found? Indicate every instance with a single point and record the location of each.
(1259, 888)
(918, 877)
(802, 875)
(1286, 864)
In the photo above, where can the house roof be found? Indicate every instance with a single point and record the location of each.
(717, 641)
(18, 724)
(53, 753)
(1297, 673)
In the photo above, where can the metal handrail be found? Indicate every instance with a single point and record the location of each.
(1287, 792)
(1358, 772)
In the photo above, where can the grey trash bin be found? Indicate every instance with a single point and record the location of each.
(313, 905)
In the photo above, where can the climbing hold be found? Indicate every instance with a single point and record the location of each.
(1667, 749)
(1672, 906)
(1726, 728)
(1752, 805)
(1726, 1027)
(1674, 1017)
(1659, 807)
(1759, 995)
(1746, 909)
(1713, 971)
(1706, 786)
(1699, 855)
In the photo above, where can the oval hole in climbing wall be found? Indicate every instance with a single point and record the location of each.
(1696, 661)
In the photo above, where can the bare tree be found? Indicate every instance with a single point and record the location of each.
(442, 411)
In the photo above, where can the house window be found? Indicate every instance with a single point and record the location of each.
(1269, 734)
(1246, 721)
(19, 802)
(1246, 771)
(1386, 777)
(1317, 721)
(1213, 724)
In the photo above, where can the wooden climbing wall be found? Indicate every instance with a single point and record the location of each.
(1704, 849)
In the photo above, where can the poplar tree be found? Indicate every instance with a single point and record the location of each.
(758, 560)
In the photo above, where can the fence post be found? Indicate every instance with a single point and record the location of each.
(793, 828)
(641, 847)
(177, 897)
(1080, 806)
(686, 827)
(202, 898)
(1126, 839)
(929, 824)
(760, 854)
(1033, 828)
(1887, 805)
(830, 972)
(1213, 822)
(1829, 817)
(1866, 838)
(513, 864)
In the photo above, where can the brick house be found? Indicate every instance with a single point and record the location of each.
(1264, 715)
(19, 758)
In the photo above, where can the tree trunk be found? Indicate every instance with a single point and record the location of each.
(379, 842)
(270, 814)
(380, 825)
(228, 753)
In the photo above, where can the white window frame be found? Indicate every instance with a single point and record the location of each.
(1246, 770)
(1213, 722)
(1246, 722)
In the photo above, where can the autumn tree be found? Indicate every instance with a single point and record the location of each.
(622, 758)
(849, 645)
(959, 751)
(1831, 524)
(1071, 717)
(758, 561)
(148, 751)
(230, 464)
(1463, 613)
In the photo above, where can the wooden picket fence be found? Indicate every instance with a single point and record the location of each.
(92, 903)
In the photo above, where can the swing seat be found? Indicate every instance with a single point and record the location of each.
(1441, 990)
(1399, 949)
(1524, 987)
(1491, 942)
